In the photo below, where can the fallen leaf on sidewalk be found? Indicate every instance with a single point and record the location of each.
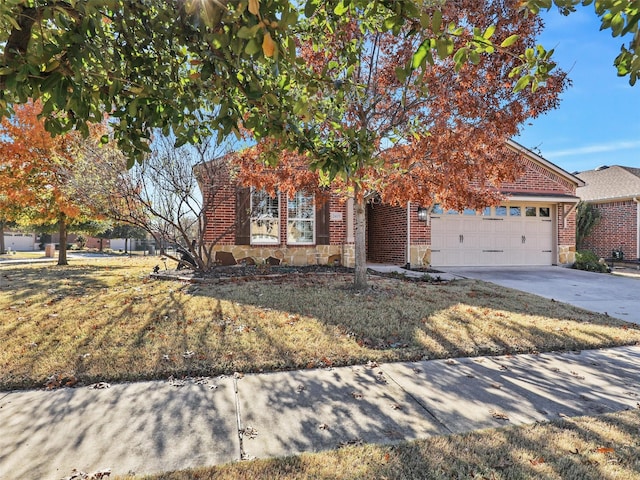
(100, 385)
(249, 432)
(323, 426)
(499, 415)
(356, 395)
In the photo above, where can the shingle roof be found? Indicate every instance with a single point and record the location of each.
(613, 182)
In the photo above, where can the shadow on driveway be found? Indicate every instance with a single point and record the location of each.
(613, 295)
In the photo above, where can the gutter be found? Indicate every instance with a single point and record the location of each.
(409, 233)
(637, 200)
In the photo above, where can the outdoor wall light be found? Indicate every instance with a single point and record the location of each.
(422, 214)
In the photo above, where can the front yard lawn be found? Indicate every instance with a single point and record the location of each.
(108, 321)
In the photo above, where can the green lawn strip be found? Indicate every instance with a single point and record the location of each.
(584, 448)
(108, 321)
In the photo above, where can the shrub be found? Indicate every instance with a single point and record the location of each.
(587, 260)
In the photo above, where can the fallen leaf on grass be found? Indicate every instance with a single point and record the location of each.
(352, 442)
(537, 461)
(605, 450)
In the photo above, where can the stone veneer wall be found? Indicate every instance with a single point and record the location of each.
(566, 254)
(311, 255)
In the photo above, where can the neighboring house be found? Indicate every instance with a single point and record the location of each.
(20, 241)
(535, 225)
(615, 192)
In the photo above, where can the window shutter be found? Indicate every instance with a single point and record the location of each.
(243, 225)
(322, 221)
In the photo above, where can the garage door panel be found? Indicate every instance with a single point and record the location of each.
(486, 241)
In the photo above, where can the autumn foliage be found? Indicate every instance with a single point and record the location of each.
(436, 135)
(37, 171)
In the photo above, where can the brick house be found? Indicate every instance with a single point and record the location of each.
(615, 192)
(535, 225)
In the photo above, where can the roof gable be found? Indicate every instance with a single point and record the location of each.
(544, 163)
(610, 183)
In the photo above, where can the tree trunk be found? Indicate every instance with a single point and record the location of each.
(126, 241)
(2, 245)
(62, 254)
(360, 224)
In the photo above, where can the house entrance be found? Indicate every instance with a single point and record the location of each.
(386, 234)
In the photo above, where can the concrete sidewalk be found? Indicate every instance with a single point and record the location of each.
(149, 427)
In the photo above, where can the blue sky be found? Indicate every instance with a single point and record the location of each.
(598, 120)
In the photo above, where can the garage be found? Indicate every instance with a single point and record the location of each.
(510, 234)
(18, 241)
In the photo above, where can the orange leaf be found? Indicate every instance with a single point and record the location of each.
(254, 6)
(268, 45)
(605, 450)
(537, 461)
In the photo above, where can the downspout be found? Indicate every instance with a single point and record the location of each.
(637, 200)
(409, 234)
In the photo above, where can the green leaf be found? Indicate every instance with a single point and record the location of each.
(444, 47)
(245, 32)
(436, 21)
(522, 83)
(341, 9)
(507, 42)
(401, 73)
(310, 8)
(391, 22)
(252, 47)
(488, 33)
(420, 55)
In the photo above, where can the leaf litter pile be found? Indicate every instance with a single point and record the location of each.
(108, 321)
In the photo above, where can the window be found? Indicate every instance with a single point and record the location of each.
(468, 211)
(437, 209)
(486, 212)
(265, 218)
(530, 211)
(515, 212)
(301, 219)
(544, 211)
(501, 211)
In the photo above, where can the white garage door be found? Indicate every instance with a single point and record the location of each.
(19, 241)
(503, 235)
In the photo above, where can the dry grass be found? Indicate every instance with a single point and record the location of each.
(587, 448)
(106, 320)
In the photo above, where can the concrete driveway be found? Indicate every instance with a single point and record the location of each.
(614, 295)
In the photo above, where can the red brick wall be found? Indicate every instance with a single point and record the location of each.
(221, 214)
(338, 228)
(537, 179)
(566, 227)
(618, 228)
(420, 231)
(386, 234)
